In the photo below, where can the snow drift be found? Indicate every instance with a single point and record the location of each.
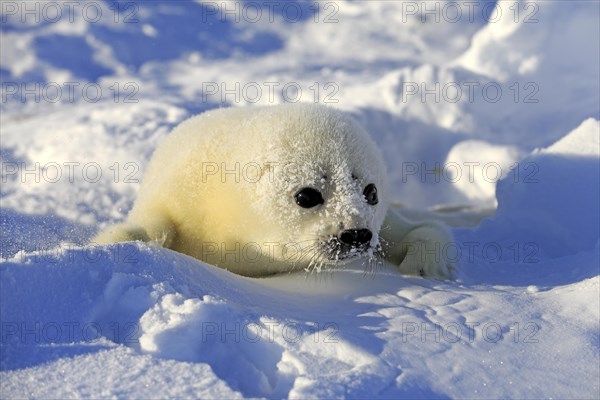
(516, 319)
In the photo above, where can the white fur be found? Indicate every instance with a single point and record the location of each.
(221, 188)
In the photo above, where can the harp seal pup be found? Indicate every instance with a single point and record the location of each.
(266, 190)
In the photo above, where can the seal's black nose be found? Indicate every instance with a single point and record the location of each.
(356, 237)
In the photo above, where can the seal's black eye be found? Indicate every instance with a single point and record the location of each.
(371, 194)
(308, 198)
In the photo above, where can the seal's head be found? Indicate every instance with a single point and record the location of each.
(325, 186)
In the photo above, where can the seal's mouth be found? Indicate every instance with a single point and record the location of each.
(338, 251)
(332, 252)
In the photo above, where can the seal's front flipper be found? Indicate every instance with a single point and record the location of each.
(122, 233)
(417, 248)
(161, 234)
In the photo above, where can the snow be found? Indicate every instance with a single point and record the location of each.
(539, 201)
(483, 164)
(132, 320)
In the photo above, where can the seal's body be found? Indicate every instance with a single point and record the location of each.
(275, 189)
